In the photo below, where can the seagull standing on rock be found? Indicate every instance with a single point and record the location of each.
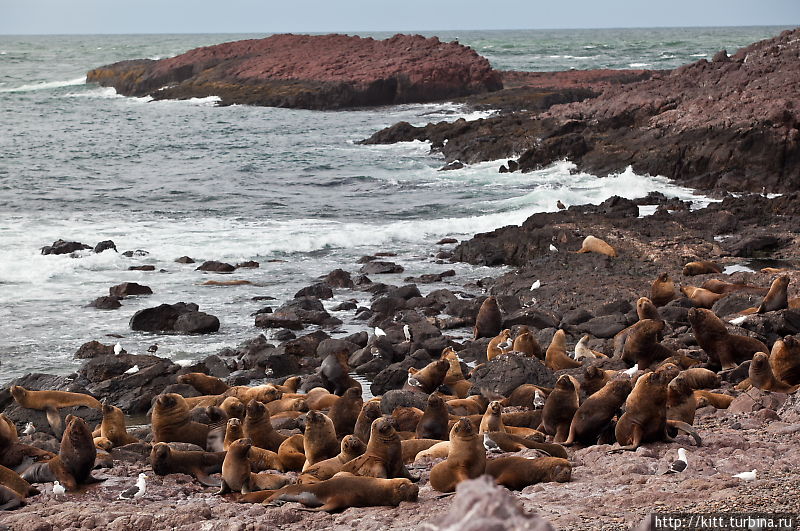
(379, 332)
(118, 349)
(536, 285)
(680, 464)
(746, 476)
(58, 489)
(538, 400)
(132, 370)
(137, 491)
(29, 428)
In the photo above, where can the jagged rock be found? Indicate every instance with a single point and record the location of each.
(106, 303)
(216, 267)
(319, 291)
(735, 303)
(93, 349)
(338, 278)
(605, 326)
(126, 289)
(380, 268)
(773, 325)
(532, 317)
(64, 247)
(179, 318)
(279, 320)
(505, 373)
(395, 375)
(397, 398)
(248, 264)
(104, 246)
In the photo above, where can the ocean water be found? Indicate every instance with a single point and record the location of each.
(288, 188)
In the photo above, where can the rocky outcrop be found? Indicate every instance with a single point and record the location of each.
(179, 318)
(310, 71)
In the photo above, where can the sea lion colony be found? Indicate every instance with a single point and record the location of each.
(352, 453)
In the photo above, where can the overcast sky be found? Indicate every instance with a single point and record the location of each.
(268, 16)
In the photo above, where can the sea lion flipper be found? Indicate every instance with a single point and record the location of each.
(224, 488)
(205, 479)
(686, 428)
(90, 480)
(55, 421)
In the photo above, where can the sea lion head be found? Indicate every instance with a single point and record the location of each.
(564, 383)
(352, 393)
(404, 490)
(382, 427)
(267, 393)
(495, 407)
(645, 308)
(216, 414)
(663, 277)
(255, 409)
(233, 407)
(167, 401)
(160, 453)
(592, 373)
(706, 321)
(240, 447)
(18, 392)
(668, 370)
(760, 362)
(353, 445)
(292, 383)
(463, 428)
(621, 387)
(435, 401)
(314, 417)
(680, 386)
(448, 353)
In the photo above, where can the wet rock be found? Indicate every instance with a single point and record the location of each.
(106, 303)
(505, 373)
(735, 303)
(774, 325)
(307, 345)
(142, 268)
(105, 245)
(753, 245)
(249, 264)
(388, 305)
(102, 368)
(137, 252)
(605, 326)
(333, 346)
(345, 306)
(319, 291)
(133, 393)
(359, 338)
(127, 289)
(184, 260)
(338, 278)
(445, 241)
(308, 310)
(288, 320)
(395, 375)
(378, 267)
(401, 398)
(430, 278)
(532, 317)
(93, 349)
(216, 267)
(576, 317)
(216, 366)
(179, 318)
(64, 247)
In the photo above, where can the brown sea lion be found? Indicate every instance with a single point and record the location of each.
(290, 385)
(335, 372)
(263, 393)
(489, 321)
(466, 406)
(499, 345)
(237, 476)
(433, 424)
(233, 407)
(429, 378)
(642, 346)
(559, 408)
(466, 458)
(556, 357)
(10, 499)
(681, 403)
(724, 350)
(718, 400)
(591, 244)
(595, 414)
(319, 439)
(261, 459)
(75, 460)
(50, 402)
(662, 290)
(516, 472)
(722, 287)
(171, 423)
(526, 343)
(342, 492)
(492, 419)
(351, 448)
(406, 418)
(645, 309)
(9, 431)
(508, 442)
(205, 384)
(412, 447)
(384, 455)
(777, 297)
(166, 460)
(524, 395)
(785, 360)
(290, 453)
(233, 432)
(454, 379)
(113, 426)
(761, 376)
(257, 426)
(594, 378)
(344, 413)
(645, 417)
(103, 443)
(13, 453)
(700, 378)
(203, 401)
(287, 404)
(12, 480)
(370, 411)
(320, 398)
(701, 268)
(701, 298)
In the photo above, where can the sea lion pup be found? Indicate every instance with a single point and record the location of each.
(642, 346)
(335, 372)
(351, 448)
(556, 356)
(454, 379)
(508, 442)
(785, 360)
(205, 384)
(761, 376)
(290, 453)
(592, 244)
(466, 458)
(524, 395)
(342, 492)
(559, 408)
(384, 455)
(166, 460)
(492, 419)
(701, 298)
(171, 422)
(489, 321)
(113, 428)
(319, 439)
(433, 424)
(720, 286)
(681, 403)
(700, 378)
(724, 349)
(258, 428)
(777, 297)
(261, 459)
(645, 417)
(13, 481)
(582, 350)
(429, 378)
(237, 476)
(594, 378)
(718, 400)
(370, 411)
(595, 414)
(517, 472)
(344, 413)
(263, 393)
(233, 432)
(320, 398)
(75, 460)
(462, 407)
(51, 401)
(233, 407)
(662, 290)
(287, 404)
(499, 345)
(526, 343)
(701, 268)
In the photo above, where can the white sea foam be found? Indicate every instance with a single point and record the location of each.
(699, 55)
(639, 65)
(46, 85)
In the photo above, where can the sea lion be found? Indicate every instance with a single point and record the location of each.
(592, 244)
(344, 413)
(13, 481)
(559, 408)
(662, 290)
(9, 431)
(237, 476)
(103, 443)
(342, 492)
(335, 372)
(171, 423)
(370, 411)
(594, 378)
(11, 499)
(724, 349)
(582, 350)
(777, 297)
(166, 460)
(50, 402)
(492, 419)
(429, 378)
(412, 447)
(466, 458)
(320, 398)
(761, 376)
(454, 379)
(499, 345)
(75, 460)
(205, 384)
(526, 343)
(233, 407)
(718, 400)
(217, 428)
(524, 395)
(287, 404)
(722, 287)
(319, 439)
(203, 401)
(263, 393)
(464, 407)
(556, 357)
(290, 453)
(701, 298)
(681, 403)
(595, 414)
(113, 426)
(701, 268)
(645, 417)
(384, 455)
(645, 309)
(257, 426)
(290, 385)
(433, 424)
(261, 459)
(700, 378)
(13, 453)
(233, 432)
(351, 448)
(516, 472)
(489, 321)
(508, 442)
(226, 283)
(785, 360)
(642, 346)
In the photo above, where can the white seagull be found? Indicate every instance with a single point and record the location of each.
(407, 332)
(379, 332)
(58, 489)
(118, 349)
(29, 428)
(490, 445)
(746, 476)
(152, 348)
(553, 248)
(413, 381)
(633, 370)
(137, 491)
(536, 285)
(538, 400)
(132, 370)
(738, 320)
(680, 464)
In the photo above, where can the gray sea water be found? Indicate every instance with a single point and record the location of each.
(80, 162)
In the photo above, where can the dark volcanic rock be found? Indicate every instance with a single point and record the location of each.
(180, 318)
(184, 260)
(92, 349)
(533, 317)
(216, 267)
(379, 267)
(104, 246)
(64, 247)
(605, 326)
(310, 71)
(505, 373)
(320, 291)
(106, 303)
(397, 398)
(338, 278)
(126, 289)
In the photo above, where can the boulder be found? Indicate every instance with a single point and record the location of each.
(773, 325)
(532, 317)
(605, 326)
(216, 267)
(64, 247)
(279, 320)
(179, 318)
(126, 289)
(106, 303)
(92, 349)
(402, 398)
(505, 373)
(381, 268)
(338, 278)
(319, 291)
(735, 303)
(184, 260)
(105, 246)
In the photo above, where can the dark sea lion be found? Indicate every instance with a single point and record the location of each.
(12, 480)
(205, 384)
(319, 439)
(556, 357)
(642, 346)
(761, 376)
(429, 378)
(75, 460)
(166, 460)
(370, 411)
(171, 423)
(508, 442)
(785, 360)
(344, 413)
(237, 476)
(434, 421)
(351, 448)
(662, 290)
(342, 492)
(258, 428)
(700, 378)
(596, 413)
(113, 427)
(11, 499)
(290, 453)
(489, 321)
(516, 472)
(466, 458)
(13, 453)
(559, 408)
(335, 373)
(701, 298)
(594, 378)
(384, 455)
(681, 403)
(724, 350)
(777, 297)
(701, 267)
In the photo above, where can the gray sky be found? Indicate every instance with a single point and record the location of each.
(264, 16)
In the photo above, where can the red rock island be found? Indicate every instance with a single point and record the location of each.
(310, 71)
